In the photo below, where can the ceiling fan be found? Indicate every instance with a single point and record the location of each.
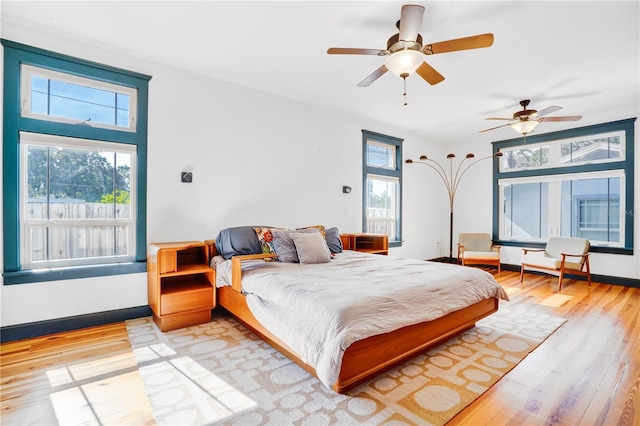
(405, 50)
(526, 120)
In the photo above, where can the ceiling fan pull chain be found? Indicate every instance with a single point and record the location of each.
(404, 78)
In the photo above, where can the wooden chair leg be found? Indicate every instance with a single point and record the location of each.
(588, 271)
(521, 276)
(560, 280)
(499, 273)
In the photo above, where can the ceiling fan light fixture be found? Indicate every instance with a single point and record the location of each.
(404, 62)
(525, 126)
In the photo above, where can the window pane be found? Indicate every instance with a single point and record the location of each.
(39, 95)
(591, 150)
(379, 155)
(59, 243)
(84, 100)
(37, 182)
(382, 198)
(522, 158)
(526, 211)
(72, 195)
(79, 175)
(83, 103)
(122, 187)
(591, 209)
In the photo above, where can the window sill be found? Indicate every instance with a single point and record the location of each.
(57, 274)
(592, 249)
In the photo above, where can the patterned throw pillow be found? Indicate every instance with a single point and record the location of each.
(318, 227)
(265, 237)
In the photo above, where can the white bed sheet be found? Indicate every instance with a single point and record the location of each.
(319, 310)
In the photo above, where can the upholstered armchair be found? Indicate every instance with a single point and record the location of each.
(562, 255)
(478, 249)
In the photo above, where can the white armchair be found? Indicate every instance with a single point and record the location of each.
(478, 249)
(562, 255)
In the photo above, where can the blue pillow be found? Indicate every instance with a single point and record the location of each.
(238, 240)
(333, 240)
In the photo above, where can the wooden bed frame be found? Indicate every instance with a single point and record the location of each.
(367, 358)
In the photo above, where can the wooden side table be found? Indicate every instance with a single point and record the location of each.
(181, 284)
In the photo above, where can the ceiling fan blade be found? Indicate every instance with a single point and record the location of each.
(373, 76)
(465, 43)
(430, 75)
(410, 21)
(495, 118)
(493, 128)
(355, 51)
(548, 110)
(565, 118)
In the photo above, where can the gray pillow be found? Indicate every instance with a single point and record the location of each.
(284, 245)
(333, 240)
(311, 248)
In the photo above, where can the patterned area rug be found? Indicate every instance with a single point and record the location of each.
(220, 373)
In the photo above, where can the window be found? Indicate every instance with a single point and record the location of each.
(382, 183)
(55, 96)
(576, 183)
(74, 162)
(78, 203)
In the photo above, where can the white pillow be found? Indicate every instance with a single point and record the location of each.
(311, 248)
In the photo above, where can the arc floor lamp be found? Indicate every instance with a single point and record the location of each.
(451, 181)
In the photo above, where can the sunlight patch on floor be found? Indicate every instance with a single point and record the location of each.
(168, 379)
(87, 370)
(555, 300)
(111, 400)
(511, 291)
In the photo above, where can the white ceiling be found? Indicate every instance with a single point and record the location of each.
(582, 55)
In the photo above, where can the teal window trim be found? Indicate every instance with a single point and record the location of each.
(397, 142)
(16, 54)
(627, 165)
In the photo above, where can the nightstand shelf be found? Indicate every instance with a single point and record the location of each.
(368, 243)
(181, 285)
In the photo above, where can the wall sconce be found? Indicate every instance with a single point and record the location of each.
(346, 189)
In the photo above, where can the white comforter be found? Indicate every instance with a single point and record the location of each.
(319, 310)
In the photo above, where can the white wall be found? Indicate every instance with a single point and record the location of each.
(256, 159)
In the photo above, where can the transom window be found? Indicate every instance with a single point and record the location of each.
(55, 96)
(600, 148)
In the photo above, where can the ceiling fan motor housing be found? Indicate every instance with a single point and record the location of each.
(394, 44)
(524, 114)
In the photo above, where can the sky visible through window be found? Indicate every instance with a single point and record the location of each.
(62, 99)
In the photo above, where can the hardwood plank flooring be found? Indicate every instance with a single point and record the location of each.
(587, 373)
(87, 376)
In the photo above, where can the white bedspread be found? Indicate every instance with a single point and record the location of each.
(319, 310)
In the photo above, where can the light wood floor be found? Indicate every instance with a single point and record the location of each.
(588, 372)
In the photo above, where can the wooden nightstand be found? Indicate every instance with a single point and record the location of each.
(181, 284)
(368, 243)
